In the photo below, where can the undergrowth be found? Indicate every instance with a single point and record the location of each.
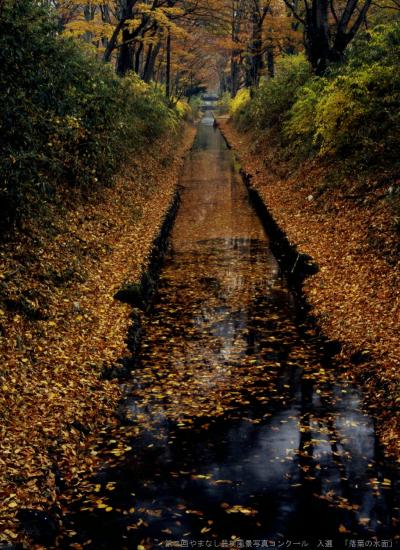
(348, 119)
(66, 119)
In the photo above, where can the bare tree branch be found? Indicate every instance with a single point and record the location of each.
(295, 14)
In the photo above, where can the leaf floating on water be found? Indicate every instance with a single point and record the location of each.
(154, 513)
(237, 509)
(222, 482)
(201, 476)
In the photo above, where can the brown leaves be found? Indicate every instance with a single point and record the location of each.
(52, 399)
(355, 294)
(237, 509)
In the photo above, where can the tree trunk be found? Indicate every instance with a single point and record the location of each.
(234, 75)
(271, 61)
(324, 43)
(89, 14)
(168, 67)
(124, 17)
(152, 54)
(138, 58)
(235, 30)
(317, 36)
(256, 60)
(125, 55)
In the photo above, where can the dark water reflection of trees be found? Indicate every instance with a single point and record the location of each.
(245, 429)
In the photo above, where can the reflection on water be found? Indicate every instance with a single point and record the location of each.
(245, 431)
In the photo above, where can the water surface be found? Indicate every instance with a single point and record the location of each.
(245, 432)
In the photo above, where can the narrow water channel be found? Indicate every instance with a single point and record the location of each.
(246, 437)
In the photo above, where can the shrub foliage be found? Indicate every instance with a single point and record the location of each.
(275, 96)
(65, 118)
(353, 112)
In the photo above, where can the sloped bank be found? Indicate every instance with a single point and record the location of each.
(353, 295)
(139, 294)
(63, 334)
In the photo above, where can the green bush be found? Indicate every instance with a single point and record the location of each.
(65, 118)
(300, 125)
(358, 114)
(275, 96)
(352, 112)
(379, 45)
(240, 102)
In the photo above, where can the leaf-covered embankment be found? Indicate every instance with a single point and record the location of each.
(60, 325)
(355, 294)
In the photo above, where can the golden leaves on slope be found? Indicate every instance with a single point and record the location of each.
(59, 325)
(355, 294)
